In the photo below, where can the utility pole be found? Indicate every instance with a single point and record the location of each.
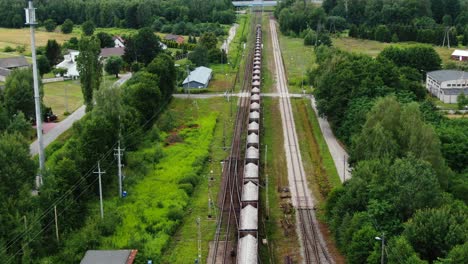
(31, 21)
(56, 224)
(344, 168)
(266, 183)
(119, 155)
(199, 239)
(99, 172)
(66, 98)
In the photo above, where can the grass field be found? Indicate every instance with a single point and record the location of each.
(183, 246)
(373, 48)
(318, 163)
(278, 227)
(298, 59)
(17, 37)
(54, 96)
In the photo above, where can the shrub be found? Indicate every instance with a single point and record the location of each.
(175, 214)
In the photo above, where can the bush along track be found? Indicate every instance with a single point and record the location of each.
(161, 176)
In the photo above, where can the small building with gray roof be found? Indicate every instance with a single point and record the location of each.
(124, 256)
(198, 78)
(9, 64)
(447, 84)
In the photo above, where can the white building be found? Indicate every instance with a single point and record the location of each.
(118, 42)
(447, 84)
(69, 63)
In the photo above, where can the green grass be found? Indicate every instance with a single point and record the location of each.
(443, 106)
(236, 47)
(146, 221)
(54, 96)
(223, 77)
(183, 246)
(373, 48)
(298, 59)
(268, 64)
(281, 241)
(318, 163)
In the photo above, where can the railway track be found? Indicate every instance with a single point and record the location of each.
(229, 199)
(313, 249)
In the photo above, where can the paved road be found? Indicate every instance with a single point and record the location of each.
(313, 246)
(338, 153)
(64, 125)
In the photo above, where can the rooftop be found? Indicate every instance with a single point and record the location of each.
(125, 256)
(108, 52)
(200, 74)
(13, 62)
(460, 53)
(448, 75)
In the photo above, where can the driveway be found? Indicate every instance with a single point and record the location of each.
(59, 128)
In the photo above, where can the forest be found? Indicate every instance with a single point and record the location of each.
(410, 179)
(425, 21)
(169, 16)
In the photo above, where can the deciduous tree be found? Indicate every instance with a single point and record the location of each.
(90, 68)
(113, 65)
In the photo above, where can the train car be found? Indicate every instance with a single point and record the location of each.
(248, 220)
(253, 127)
(250, 194)
(253, 140)
(251, 172)
(247, 250)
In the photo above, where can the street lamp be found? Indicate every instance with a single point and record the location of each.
(31, 21)
(382, 239)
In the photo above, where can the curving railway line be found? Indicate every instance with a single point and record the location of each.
(313, 248)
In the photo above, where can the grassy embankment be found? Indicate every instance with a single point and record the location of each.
(183, 246)
(161, 177)
(278, 222)
(318, 162)
(298, 59)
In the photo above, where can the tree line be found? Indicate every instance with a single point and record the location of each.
(415, 20)
(113, 114)
(410, 177)
(426, 21)
(179, 16)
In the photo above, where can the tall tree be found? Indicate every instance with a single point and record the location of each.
(53, 52)
(113, 65)
(90, 68)
(163, 66)
(142, 47)
(105, 39)
(67, 26)
(50, 25)
(88, 28)
(19, 93)
(43, 65)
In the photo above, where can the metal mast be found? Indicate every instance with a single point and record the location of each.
(31, 21)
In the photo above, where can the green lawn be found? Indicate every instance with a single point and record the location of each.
(54, 96)
(298, 59)
(373, 48)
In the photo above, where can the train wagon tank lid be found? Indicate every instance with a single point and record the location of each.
(253, 138)
(251, 170)
(254, 106)
(252, 153)
(254, 126)
(250, 192)
(247, 250)
(249, 218)
(255, 97)
(254, 115)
